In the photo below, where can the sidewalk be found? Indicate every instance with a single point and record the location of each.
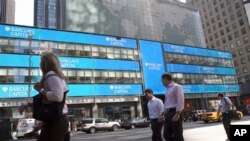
(212, 133)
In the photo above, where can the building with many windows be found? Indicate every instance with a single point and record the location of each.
(7, 11)
(106, 75)
(49, 13)
(226, 25)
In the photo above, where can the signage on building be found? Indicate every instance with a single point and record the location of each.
(70, 62)
(16, 91)
(180, 68)
(63, 36)
(196, 51)
(153, 65)
(21, 91)
(192, 89)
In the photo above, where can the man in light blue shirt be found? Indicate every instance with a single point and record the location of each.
(224, 107)
(155, 110)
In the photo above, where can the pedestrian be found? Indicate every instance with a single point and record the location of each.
(224, 107)
(155, 110)
(174, 104)
(73, 126)
(52, 88)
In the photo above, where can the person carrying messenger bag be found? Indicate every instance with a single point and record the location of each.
(44, 110)
(232, 113)
(49, 106)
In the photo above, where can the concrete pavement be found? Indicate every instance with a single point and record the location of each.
(212, 133)
(208, 132)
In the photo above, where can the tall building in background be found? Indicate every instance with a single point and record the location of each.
(247, 8)
(226, 27)
(7, 11)
(49, 13)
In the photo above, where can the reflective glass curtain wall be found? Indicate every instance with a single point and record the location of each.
(157, 20)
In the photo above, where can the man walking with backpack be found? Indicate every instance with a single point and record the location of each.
(224, 108)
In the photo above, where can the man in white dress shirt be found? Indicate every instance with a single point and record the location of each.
(155, 110)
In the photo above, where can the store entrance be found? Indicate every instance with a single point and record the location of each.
(117, 113)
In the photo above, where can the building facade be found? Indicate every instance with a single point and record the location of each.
(226, 27)
(7, 11)
(106, 75)
(49, 13)
(161, 20)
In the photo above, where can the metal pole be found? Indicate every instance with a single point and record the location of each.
(29, 69)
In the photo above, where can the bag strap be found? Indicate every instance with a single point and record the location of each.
(227, 102)
(64, 93)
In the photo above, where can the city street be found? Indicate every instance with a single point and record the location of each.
(193, 131)
(214, 132)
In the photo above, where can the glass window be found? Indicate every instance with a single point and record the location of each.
(131, 57)
(243, 61)
(232, 45)
(24, 43)
(13, 72)
(111, 74)
(95, 54)
(241, 22)
(72, 73)
(110, 50)
(3, 72)
(87, 48)
(133, 74)
(104, 74)
(88, 73)
(130, 51)
(245, 40)
(245, 69)
(35, 44)
(124, 51)
(248, 48)
(126, 74)
(97, 74)
(118, 74)
(124, 56)
(71, 50)
(4, 41)
(102, 49)
(238, 43)
(14, 42)
(80, 73)
(111, 56)
(3, 75)
(117, 50)
(95, 49)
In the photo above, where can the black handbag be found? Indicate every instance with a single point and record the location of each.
(50, 111)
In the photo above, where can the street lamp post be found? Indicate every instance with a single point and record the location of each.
(29, 69)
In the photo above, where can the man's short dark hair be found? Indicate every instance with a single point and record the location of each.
(220, 94)
(150, 91)
(167, 76)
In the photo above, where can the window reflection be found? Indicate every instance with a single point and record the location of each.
(203, 79)
(197, 60)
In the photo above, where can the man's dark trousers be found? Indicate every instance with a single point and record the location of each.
(156, 129)
(173, 131)
(226, 119)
